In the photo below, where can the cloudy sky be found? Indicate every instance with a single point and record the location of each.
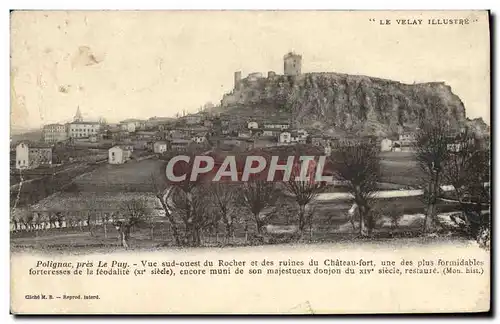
(143, 64)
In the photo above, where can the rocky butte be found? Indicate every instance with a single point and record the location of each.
(341, 102)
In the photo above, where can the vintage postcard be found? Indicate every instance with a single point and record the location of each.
(250, 162)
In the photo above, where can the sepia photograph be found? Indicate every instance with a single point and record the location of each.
(250, 162)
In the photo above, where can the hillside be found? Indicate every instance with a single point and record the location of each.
(352, 103)
(17, 135)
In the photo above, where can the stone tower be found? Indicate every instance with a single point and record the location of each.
(292, 64)
(78, 116)
(237, 79)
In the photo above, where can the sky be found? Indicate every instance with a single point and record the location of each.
(140, 64)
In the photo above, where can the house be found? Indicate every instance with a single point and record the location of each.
(277, 125)
(285, 137)
(80, 129)
(132, 125)
(32, 155)
(146, 135)
(179, 144)
(118, 154)
(160, 147)
(298, 137)
(386, 145)
(318, 140)
(252, 125)
(128, 127)
(271, 132)
(177, 134)
(454, 147)
(302, 134)
(288, 137)
(199, 138)
(407, 138)
(192, 119)
(53, 133)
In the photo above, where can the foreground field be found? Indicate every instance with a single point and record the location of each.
(398, 217)
(400, 168)
(131, 176)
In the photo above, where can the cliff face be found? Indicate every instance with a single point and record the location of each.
(350, 102)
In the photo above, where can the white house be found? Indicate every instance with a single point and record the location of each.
(270, 132)
(253, 125)
(32, 155)
(160, 147)
(285, 137)
(302, 134)
(386, 145)
(277, 125)
(199, 138)
(118, 155)
(22, 156)
(82, 129)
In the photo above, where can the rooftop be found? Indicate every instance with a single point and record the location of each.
(32, 144)
(84, 123)
(121, 146)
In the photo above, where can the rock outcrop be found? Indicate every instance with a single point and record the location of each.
(350, 103)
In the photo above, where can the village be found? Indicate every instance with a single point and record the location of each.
(200, 131)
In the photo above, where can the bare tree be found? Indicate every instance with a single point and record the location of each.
(358, 164)
(223, 198)
(133, 212)
(163, 196)
(304, 191)
(431, 147)
(467, 170)
(257, 195)
(191, 203)
(186, 198)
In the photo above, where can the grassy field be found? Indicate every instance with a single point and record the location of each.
(92, 200)
(131, 176)
(400, 168)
